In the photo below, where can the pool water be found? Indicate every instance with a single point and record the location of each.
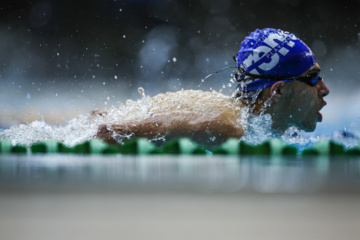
(181, 172)
(178, 197)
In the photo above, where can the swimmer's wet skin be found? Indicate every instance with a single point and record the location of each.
(195, 114)
(277, 75)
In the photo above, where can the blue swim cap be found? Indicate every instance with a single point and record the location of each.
(271, 52)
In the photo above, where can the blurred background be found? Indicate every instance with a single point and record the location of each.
(60, 58)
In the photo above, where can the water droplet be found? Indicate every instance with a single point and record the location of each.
(124, 36)
(28, 96)
(103, 83)
(141, 91)
(115, 77)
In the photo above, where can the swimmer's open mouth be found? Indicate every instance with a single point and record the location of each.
(320, 116)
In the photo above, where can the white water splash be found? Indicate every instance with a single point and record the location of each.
(74, 132)
(258, 128)
(85, 127)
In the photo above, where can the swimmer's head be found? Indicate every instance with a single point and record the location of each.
(269, 55)
(277, 68)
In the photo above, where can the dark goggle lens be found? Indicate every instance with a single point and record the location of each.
(311, 79)
(315, 80)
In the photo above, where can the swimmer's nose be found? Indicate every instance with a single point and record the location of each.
(323, 89)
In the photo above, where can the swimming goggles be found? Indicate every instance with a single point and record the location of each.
(312, 79)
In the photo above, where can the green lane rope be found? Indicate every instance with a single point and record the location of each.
(324, 148)
(273, 147)
(140, 146)
(185, 146)
(6, 147)
(182, 146)
(45, 147)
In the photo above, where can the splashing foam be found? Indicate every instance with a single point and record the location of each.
(85, 127)
(74, 132)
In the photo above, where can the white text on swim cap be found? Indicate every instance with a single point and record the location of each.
(261, 55)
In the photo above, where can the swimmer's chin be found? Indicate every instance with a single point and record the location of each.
(312, 127)
(309, 127)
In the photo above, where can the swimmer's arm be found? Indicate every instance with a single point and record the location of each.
(147, 128)
(198, 127)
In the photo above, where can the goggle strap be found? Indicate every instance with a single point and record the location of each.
(308, 78)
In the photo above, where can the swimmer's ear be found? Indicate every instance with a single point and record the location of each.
(276, 90)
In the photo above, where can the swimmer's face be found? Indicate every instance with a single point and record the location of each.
(305, 102)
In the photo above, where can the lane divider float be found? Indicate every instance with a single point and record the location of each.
(142, 146)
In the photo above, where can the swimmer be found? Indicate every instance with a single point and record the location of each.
(277, 75)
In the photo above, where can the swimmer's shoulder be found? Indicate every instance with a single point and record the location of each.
(196, 100)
